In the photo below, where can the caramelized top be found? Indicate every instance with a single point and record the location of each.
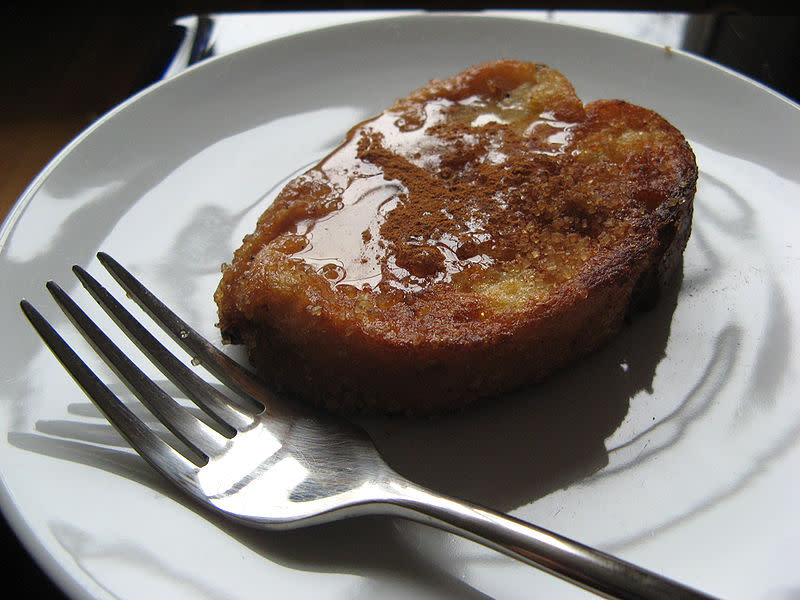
(497, 182)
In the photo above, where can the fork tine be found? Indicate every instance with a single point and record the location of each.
(163, 457)
(198, 437)
(211, 400)
(222, 366)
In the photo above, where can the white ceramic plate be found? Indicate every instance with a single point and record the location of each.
(676, 447)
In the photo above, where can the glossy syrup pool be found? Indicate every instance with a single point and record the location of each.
(445, 224)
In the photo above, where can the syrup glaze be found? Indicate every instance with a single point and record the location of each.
(438, 189)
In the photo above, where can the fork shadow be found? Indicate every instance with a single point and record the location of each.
(498, 454)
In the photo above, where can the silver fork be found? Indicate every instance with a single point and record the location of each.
(264, 461)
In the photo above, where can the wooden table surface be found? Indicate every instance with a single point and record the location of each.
(60, 74)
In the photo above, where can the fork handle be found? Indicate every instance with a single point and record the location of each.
(582, 565)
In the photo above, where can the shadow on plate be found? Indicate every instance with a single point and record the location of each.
(510, 451)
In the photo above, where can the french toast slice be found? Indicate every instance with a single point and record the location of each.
(482, 232)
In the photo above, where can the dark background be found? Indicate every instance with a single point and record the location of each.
(61, 68)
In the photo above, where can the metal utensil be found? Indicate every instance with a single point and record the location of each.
(264, 461)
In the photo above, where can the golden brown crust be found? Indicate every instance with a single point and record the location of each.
(484, 231)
